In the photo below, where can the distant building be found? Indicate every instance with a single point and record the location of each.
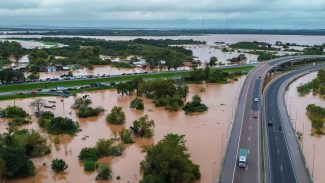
(66, 68)
(51, 69)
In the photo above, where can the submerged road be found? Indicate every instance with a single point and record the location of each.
(246, 130)
(286, 163)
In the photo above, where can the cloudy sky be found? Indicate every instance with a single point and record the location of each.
(264, 14)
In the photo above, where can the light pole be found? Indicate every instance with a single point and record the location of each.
(213, 168)
(221, 147)
(314, 146)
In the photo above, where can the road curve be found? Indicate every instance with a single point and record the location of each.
(286, 163)
(246, 130)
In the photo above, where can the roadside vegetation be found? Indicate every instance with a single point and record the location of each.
(174, 166)
(317, 85)
(317, 116)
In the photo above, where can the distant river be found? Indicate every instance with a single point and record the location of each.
(210, 39)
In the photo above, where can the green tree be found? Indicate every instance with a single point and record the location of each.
(14, 112)
(143, 127)
(59, 125)
(213, 61)
(58, 165)
(195, 105)
(89, 154)
(116, 116)
(104, 172)
(126, 136)
(137, 103)
(175, 164)
(17, 162)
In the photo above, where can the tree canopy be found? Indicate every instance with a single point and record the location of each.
(169, 161)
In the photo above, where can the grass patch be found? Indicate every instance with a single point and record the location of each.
(33, 86)
(10, 97)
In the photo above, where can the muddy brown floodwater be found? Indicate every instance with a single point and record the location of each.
(296, 106)
(206, 133)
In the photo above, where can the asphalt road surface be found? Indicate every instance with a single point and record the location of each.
(246, 130)
(285, 164)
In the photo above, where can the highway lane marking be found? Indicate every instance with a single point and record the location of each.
(242, 120)
(278, 151)
(281, 167)
(249, 138)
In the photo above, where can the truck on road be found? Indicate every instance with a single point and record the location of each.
(242, 158)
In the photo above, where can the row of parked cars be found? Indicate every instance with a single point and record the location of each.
(69, 77)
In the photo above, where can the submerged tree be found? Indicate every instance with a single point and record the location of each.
(143, 127)
(37, 105)
(169, 161)
(58, 165)
(116, 116)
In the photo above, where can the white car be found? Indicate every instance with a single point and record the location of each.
(256, 99)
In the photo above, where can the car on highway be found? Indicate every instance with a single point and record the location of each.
(269, 123)
(255, 114)
(255, 99)
(242, 157)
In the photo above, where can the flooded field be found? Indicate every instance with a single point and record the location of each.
(313, 146)
(206, 133)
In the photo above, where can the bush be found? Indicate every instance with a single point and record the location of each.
(143, 127)
(85, 112)
(169, 161)
(18, 122)
(58, 165)
(137, 104)
(116, 150)
(103, 147)
(195, 105)
(88, 154)
(126, 136)
(104, 173)
(14, 112)
(106, 148)
(90, 166)
(59, 125)
(317, 115)
(116, 116)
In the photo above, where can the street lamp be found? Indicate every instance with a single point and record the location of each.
(314, 146)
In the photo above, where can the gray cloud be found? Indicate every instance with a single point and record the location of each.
(241, 13)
